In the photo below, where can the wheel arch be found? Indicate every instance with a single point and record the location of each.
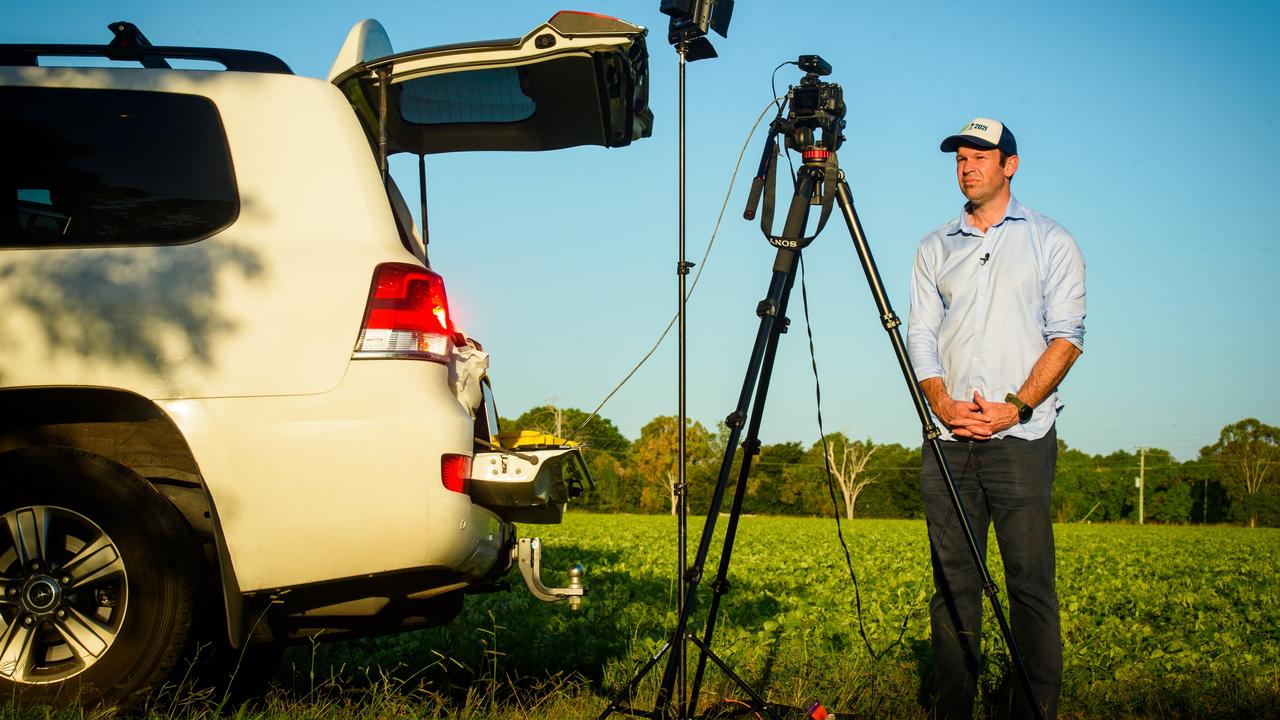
(133, 431)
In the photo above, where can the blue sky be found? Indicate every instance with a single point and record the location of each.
(1147, 129)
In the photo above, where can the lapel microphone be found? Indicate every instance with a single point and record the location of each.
(983, 260)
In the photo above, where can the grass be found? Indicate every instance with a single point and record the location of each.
(1158, 622)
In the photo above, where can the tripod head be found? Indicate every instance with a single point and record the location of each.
(814, 126)
(814, 105)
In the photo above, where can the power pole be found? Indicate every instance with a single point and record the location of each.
(1140, 481)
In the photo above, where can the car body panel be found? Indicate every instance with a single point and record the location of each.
(287, 280)
(343, 483)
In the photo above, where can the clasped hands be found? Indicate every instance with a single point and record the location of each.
(976, 420)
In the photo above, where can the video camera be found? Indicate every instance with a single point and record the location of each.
(815, 105)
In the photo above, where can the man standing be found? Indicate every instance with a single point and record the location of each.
(997, 319)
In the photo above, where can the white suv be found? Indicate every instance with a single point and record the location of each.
(231, 393)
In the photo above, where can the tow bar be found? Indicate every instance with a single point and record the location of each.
(528, 554)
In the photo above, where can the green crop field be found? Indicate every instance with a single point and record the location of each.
(1158, 622)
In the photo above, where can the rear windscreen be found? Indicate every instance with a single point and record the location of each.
(477, 96)
(111, 167)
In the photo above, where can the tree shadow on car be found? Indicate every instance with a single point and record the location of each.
(151, 307)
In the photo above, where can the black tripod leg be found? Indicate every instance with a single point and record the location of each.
(750, 449)
(891, 323)
(667, 688)
(768, 312)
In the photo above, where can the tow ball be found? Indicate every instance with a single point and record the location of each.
(528, 555)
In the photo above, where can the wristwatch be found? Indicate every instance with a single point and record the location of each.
(1024, 410)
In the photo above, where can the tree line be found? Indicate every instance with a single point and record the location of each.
(1231, 481)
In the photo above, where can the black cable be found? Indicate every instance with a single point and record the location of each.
(777, 102)
(773, 86)
(968, 458)
(773, 80)
(831, 487)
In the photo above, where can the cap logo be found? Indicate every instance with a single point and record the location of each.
(982, 132)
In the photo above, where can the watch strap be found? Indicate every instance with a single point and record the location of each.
(1024, 410)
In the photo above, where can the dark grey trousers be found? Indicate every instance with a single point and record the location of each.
(1006, 483)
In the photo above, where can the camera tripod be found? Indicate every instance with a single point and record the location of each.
(819, 168)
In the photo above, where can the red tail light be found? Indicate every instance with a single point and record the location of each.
(571, 22)
(455, 472)
(407, 315)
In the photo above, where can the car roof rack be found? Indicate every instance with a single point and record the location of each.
(129, 44)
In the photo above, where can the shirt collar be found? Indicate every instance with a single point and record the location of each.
(1014, 211)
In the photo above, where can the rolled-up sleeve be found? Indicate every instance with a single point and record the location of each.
(1064, 307)
(925, 319)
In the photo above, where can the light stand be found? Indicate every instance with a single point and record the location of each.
(682, 487)
(687, 32)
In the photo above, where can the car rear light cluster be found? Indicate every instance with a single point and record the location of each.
(571, 22)
(455, 472)
(407, 315)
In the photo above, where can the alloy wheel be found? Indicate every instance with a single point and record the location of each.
(63, 594)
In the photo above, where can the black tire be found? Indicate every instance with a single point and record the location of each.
(115, 574)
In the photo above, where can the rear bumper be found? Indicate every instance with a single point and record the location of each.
(310, 489)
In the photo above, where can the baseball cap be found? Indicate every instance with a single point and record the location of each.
(983, 133)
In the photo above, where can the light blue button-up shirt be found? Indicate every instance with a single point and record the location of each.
(984, 306)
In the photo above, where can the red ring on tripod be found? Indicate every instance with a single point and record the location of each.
(815, 154)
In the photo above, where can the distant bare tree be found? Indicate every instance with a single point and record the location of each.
(847, 470)
(557, 429)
